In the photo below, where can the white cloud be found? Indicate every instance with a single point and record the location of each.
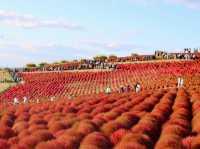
(28, 21)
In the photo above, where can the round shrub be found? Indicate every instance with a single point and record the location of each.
(29, 142)
(118, 135)
(110, 127)
(95, 140)
(20, 126)
(50, 145)
(70, 138)
(85, 127)
(169, 141)
(43, 135)
(4, 144)
(6, 132)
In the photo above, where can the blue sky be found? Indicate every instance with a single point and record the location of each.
(53, 30)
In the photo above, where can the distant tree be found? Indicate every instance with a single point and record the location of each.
(42, 64)
(83, 60)
(75, 60)
(134, 54)
(55, 63)
(30, 65)
(112, 58)
(63, 61)
(101, 58)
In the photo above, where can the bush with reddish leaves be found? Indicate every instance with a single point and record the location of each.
(4, 144)
(95, 140)
(20, 126)
(50, 145)
(43, 135)
(116, 136)
(169, 141)
(29, 142)
(6, 132)
(110, 127)
(85, 127)
(187, 142)
(134, 140)
(70, 139)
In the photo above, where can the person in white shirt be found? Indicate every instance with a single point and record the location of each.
(52, 98)
(180, 82)
(25, 99)
(137, 88)
(108, 90)
(16, 101)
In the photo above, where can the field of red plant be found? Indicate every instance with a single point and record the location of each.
(159, 119)
(61, 84)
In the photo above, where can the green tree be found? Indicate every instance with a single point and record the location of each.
(42, 64)
(63, 61)
(31, 65)
(101, 58)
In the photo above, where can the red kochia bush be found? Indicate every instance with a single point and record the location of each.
(169, 141)
(134, 141)
(43, 135)
(95, 140)
(85, 127)
(70, 138)
(19, 126)
(23, 117)
(6, 122)
(50, 145)
(99, 121)
(127, 120)
(110, 115)
(35, 127)
(23, 134)
(196, 142)
(187, 142)
(175, 129)
(57, 126)
(4, 144)
(110, 127)
(6, 132)
(118, 135)
(13, 140)
(29, 142)
(37, 121)
(83, 116)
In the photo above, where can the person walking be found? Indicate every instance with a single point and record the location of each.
(25, 99)
(15, 101)
(108, 90)
(137, 87)
(180, 82)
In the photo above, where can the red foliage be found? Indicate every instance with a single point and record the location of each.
(132, 140)
(6, 132)
(29, 142)
(118, 135)
(43, 135)
(85, 127)
(4, 144)
(110, 127)
(70, 139)
(95, 140)
(50, 145)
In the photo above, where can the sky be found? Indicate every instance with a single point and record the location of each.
(34, 31)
